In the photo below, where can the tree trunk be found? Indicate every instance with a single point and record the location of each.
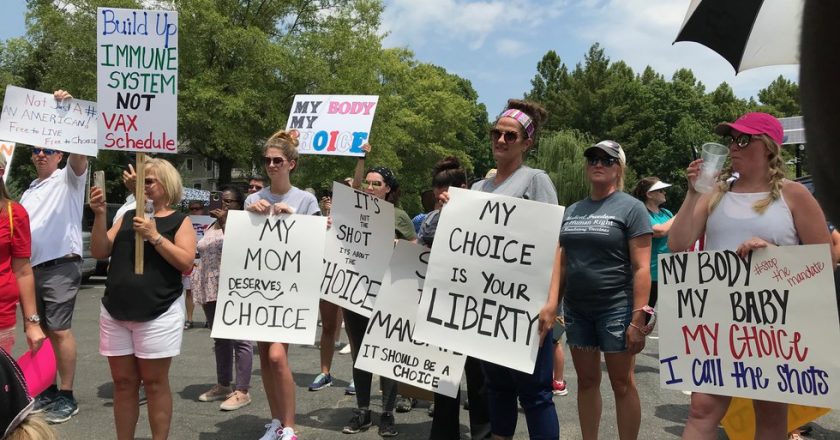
(225, 169)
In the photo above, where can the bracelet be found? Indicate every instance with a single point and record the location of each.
(641, 330)
(157, 240)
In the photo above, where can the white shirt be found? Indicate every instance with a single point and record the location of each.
(55, 206)
(130, 203)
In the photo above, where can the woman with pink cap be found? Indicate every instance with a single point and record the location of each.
(753, 206)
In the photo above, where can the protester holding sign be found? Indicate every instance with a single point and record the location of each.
(445, 424)
(651, 192)
(17, 284)
(141, 317)
(205, 287)
(54, 203)
(757, 209)
(380, 183)
(280, 156)
(605, 281)
(513, 135)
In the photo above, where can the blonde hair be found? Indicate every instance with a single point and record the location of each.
(33, 428)
(285, 142)
(169, 179)
(775, 174)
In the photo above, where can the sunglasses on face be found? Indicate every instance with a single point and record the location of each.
(373, 183)
(46, 151)
(256, 187)
(741, 141)
(277, 161)
(604, 160)
(149, 181)
(510, 136)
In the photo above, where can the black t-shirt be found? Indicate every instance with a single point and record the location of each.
(132, 297)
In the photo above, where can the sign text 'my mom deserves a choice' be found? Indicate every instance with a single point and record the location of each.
(137, 80)
(488, 277)
(268, 282)
(762, 327)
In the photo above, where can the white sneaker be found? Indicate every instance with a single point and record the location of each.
(274, 431)
(288, 434)
(345, 349)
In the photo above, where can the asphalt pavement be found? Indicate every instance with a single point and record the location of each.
(322, 414)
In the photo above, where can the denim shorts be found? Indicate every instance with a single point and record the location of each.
(604, 330)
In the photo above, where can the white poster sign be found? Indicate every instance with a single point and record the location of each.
(268, 283)
(7, 149)
(762, 327)
(335, 125)
(137, 80)
(38, 119)
(488, 277)
(389, 348)
(358, 249)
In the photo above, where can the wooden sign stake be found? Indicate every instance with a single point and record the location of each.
(140, 197)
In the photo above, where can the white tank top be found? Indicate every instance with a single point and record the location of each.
(734, 221)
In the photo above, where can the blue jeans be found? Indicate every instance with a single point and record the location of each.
(534, 391)
(604, 330)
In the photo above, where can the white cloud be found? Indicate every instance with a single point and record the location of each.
(510, 47)
(417, 23)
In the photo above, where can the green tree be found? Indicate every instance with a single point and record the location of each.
(780, 98)
(561, 156)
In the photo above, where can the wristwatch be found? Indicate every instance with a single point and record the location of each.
(34, 318)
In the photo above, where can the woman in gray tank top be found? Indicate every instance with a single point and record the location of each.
(771, 211)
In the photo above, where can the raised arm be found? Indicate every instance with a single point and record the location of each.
(359, 174)
(690, 221)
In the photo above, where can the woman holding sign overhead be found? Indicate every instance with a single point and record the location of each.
(513, 135)
(142, 316)
(756, 209)
(604, 277)
(280, 156)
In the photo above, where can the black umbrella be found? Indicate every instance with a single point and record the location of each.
(747, 33)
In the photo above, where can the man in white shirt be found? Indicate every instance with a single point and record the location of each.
(54, 202)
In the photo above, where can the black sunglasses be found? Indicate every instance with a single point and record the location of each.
(149, 181)
(604, 160)
(741, 141)
(257, 187)
(510, 136)
(278, 161)
(46, 151)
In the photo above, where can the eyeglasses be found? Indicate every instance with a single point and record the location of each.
(277, 161)
(373, 183)
(46, 151)
(605, 161)
(149, 181)
(230, 201)
(510, 136)
(741, 141)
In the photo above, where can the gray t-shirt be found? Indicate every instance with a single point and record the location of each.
(595, 238)
(303, 202)
(525, 183)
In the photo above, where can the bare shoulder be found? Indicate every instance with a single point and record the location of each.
(795, 192)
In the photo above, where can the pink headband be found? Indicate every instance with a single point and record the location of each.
(522, 118)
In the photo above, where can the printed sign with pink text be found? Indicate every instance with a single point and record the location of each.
(334, 125)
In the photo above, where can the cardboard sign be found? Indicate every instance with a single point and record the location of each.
(739, 421)
(334, 125)
(7, 149)
(137, 80)
(488, 277)
(200, 224)
(38, 119)
(358, 249)
(389, 348)
(268, 282)
(764, 327)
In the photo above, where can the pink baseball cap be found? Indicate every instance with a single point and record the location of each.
(755, 123)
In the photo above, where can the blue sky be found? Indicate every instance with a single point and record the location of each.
(496, 44)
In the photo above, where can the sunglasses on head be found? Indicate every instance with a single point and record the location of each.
(510, 136)
(604, 160)
(741, 141)
(46, 151)
(278, 161)
(373, 183)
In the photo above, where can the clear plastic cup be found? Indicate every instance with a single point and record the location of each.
(714, 156)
